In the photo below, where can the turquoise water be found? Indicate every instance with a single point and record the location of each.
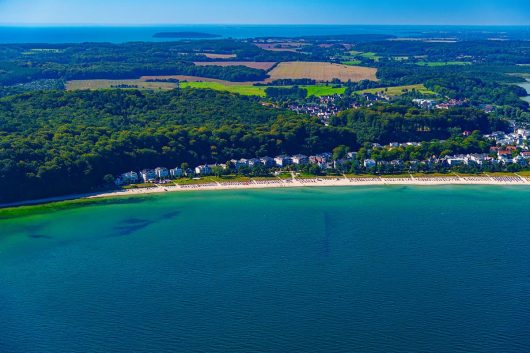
(376, 269)
(526, 86)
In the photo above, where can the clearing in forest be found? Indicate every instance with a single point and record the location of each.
(252, 64)
(218, 56)
(321, 71)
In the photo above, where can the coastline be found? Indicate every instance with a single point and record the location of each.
(508, 180)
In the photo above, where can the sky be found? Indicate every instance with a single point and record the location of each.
(122, 12)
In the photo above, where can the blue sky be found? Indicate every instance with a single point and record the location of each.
(473, 12)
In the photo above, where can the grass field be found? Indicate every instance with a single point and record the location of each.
(315, 90)
(371, 56)
(351, 62)
(320, 90)
(252, 64)
(106, 84)
(442, 63)
(246, 90)
(321, 71)
(399, 90)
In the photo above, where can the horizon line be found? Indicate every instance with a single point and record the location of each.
(22, 24)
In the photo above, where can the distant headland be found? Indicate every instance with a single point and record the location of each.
(185, 35)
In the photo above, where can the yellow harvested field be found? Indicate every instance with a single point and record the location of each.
(321, 71)
(219, 56)
(252, 64)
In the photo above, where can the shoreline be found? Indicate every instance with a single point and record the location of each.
(288, 183)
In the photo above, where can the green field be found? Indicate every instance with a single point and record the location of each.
(313, 90)
(352, 62)
(399, 90)
(442, 63)
(371, 56)
(319, 91)
(245, 90)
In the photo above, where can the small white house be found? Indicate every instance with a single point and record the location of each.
(162, 173)
(455, 160)
(129, 178)
(148, 175)
(203, 170)
(176, 172)
(369, 163)
(300, 159)
(267, 161)
(282, 161)
(254, 162)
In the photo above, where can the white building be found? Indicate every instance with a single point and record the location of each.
(300, 159)
(521, 161)
(176, 172)
(267, 161)
(351, 155)
(239, 163)
(478, 159)
(162, 173)
(369, 163)
(203, 170)
(456, 160)
(254, 162)
(130, 177)
(282, 161)
(148, 175)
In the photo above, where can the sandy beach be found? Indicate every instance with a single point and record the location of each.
(292, 183)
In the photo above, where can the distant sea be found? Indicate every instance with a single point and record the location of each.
(120, 34)
(361, 269)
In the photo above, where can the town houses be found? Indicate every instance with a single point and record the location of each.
(501, 156)
(451, 103)
(520, 138)
(323, 110)
(448, 104)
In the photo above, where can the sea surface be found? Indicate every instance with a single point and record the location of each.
(361, 269)
(526, 86)
(120, 34)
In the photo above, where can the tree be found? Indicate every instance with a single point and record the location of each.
(340, 152)
(109, 179)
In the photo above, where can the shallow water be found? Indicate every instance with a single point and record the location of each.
(402, 269)
(526, 86)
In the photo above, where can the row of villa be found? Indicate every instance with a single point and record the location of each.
(498, 155)
(323, 160)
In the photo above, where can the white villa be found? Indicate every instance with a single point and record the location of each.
(162, 173)
(203, 170)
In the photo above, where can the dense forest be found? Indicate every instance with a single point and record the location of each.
(53, 143)
(394, 123)
(478, 51)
